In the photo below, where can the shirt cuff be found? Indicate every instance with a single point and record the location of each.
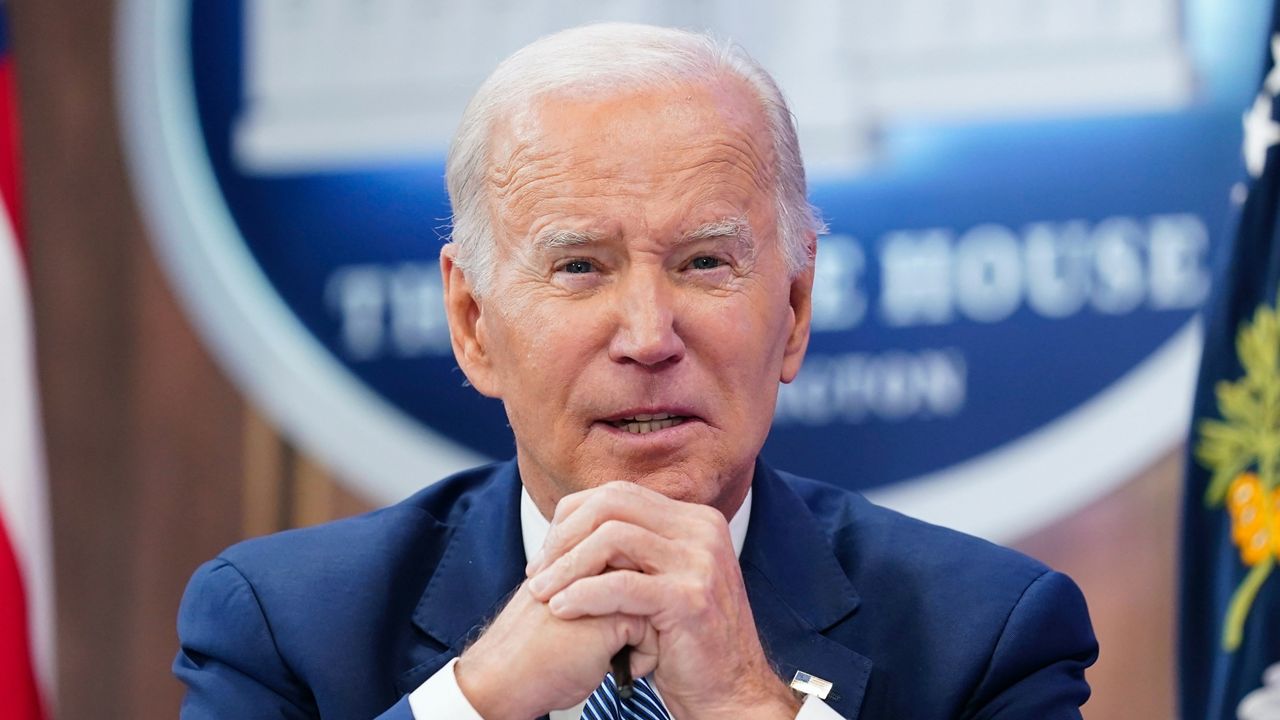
(441, 698)
(813, 709)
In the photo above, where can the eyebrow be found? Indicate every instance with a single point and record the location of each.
(727, 227)
(554, 238)
(735, 227)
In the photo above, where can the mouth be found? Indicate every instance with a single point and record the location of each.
(641, 423)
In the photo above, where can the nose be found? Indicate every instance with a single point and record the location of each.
(646, 331)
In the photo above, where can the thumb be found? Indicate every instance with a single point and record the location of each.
(643, 639)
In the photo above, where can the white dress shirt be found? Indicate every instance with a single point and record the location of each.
(440, 698)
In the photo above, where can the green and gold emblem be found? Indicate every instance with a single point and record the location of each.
(1242, 451)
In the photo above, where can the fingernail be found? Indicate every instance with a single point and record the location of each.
(538, 584)
(558, 603)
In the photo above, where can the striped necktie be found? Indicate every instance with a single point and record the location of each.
(604, 703)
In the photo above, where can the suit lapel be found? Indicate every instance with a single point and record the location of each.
(482, 563)
(798, 590)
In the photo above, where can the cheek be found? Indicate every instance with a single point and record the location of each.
(544, 345)
(744, 335)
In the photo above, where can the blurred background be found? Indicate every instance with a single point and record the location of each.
(231, 211)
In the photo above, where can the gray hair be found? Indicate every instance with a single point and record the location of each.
(610, 56)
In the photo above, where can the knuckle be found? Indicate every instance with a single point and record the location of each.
(697, 597)
(612, 529)
(618, 493)
(714, 527)
(608, 500)
(622, 533)
(571, 562)
(563, 507)
(623, 487)
(600, 502)
(703, 562)
(711, 516)
(623, 492)
(572, 594)
(713, 524)
(629, 582)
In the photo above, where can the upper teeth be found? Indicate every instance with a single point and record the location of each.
(645, 422)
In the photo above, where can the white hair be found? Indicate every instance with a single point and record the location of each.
(615, 56)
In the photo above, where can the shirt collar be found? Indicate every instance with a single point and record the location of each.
(534, 527)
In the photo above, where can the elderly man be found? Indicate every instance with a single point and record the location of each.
(630, 274)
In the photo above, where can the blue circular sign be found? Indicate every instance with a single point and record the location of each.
(1023, 213)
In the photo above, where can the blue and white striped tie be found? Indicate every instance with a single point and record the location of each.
(604, 703)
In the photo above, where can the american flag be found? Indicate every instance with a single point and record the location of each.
(26, 597)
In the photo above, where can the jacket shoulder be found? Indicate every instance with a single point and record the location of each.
(875, 542)
(321, 616)
(980, 625)
(348, 545)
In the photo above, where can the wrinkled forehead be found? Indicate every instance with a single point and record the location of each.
(656, 161)
(635, 132)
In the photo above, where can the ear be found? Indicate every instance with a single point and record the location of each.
(466, 324)
(801, 300)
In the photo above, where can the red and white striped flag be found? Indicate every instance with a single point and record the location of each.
(26, 587)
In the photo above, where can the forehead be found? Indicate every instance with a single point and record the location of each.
(688, 143)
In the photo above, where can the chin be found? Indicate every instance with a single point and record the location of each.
(677, 486)
(693, 485)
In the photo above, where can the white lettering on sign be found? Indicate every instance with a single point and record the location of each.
(1055, 269)
(1121, 284)
(890, 386)
(988, 273)
(391, 310)
(915, 278)
(1057, 264)
(839, 301)
(1179, 247)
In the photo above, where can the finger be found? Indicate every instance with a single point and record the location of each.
(599, 502)
(573, 501)
(585, 511)
(644, 652)
(630, 630)
(623, 592)
(615, 545)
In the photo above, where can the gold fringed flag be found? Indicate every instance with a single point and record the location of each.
(1229, 645)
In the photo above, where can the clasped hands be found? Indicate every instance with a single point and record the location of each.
(625, 565)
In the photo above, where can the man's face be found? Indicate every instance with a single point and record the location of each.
(641, 314)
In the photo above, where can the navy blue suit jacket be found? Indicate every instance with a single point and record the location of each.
(908, 620)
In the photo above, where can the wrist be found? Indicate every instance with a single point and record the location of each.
(771, 696)
(780, 702)
(775, 699)
(771, 699)
(483, 690)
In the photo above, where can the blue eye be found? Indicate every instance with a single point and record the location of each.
(577, 267)
(705, 262)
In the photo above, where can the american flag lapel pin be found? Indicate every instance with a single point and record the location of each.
(810, 685)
